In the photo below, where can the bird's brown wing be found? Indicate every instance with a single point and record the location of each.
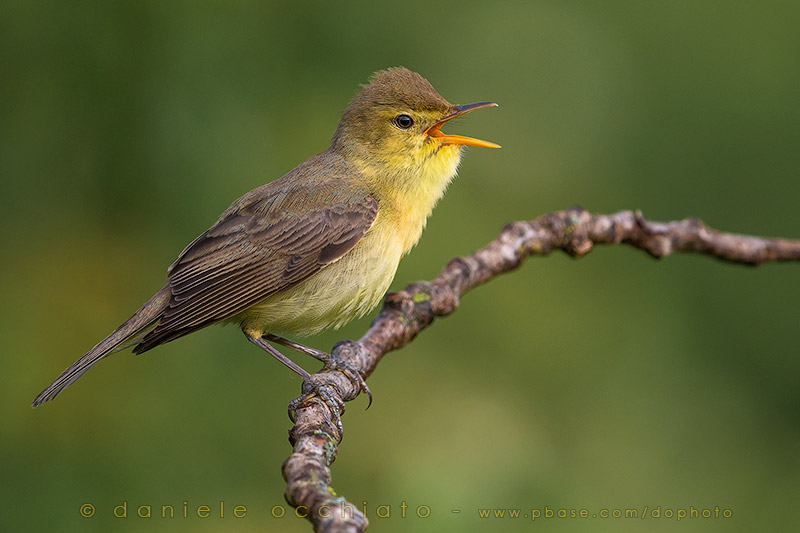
(255, 250)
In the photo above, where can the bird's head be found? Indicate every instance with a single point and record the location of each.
(395, 121)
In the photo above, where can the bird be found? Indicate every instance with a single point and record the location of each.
(317, 247)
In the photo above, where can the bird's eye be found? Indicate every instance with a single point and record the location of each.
(403, 122)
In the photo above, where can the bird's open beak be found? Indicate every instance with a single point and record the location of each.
(435, 132)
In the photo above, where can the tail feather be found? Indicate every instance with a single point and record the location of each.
(128, 334)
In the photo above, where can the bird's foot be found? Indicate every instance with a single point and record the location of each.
(351, 371)
(321, 386)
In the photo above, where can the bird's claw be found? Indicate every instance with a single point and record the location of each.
(318, 385)
(326, 392)
(352, 372)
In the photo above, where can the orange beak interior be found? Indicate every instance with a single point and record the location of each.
(436, 133)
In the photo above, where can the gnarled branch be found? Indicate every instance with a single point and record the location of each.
(315, 436)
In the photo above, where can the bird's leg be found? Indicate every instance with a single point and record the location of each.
(331, 362)
(267, 347)
(302, 348)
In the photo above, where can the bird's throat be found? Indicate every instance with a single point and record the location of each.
(408, 194)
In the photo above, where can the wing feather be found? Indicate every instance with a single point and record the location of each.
(257, 249)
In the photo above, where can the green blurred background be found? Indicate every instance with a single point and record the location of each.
(611, 382)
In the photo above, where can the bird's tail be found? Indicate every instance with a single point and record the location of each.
(128, 334)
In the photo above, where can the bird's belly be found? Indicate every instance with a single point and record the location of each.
(340, 292)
